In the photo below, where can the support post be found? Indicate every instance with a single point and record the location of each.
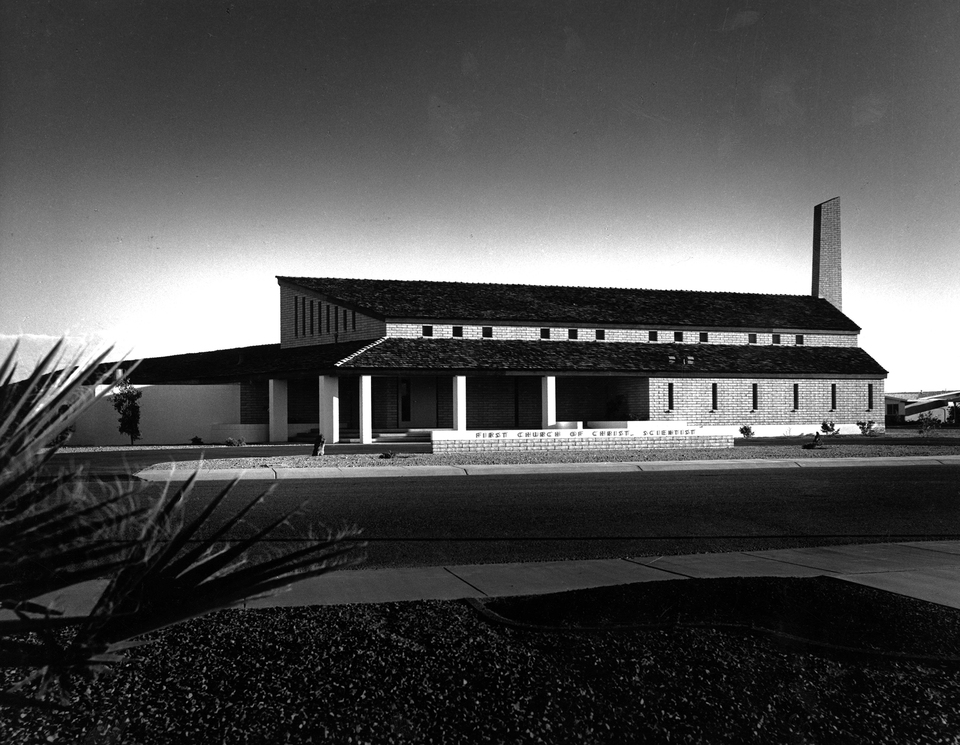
(330, 408)
(366, 410)
(278, 430)
(459, 402)
(548, 400)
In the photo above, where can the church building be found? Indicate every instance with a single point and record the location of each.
(373, 360)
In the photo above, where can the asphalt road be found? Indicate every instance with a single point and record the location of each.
(452, 520)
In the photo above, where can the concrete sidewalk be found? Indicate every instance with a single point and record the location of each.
(924, 570)
(269, 473)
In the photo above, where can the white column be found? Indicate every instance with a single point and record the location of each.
(459, 402)
(330, 408)
(366, 410)
(278, 411)
(548, 400)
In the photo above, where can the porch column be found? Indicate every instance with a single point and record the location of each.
(278, 411)
(459, 402)
(366, 411)
(330, 408)
(548, 400)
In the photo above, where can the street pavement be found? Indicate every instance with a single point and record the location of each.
(926, 570)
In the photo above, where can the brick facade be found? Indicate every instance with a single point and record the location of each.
(296, 304)
(826, 252)
(582, 443)
(512, 332)
(254, 402)
(693, 401)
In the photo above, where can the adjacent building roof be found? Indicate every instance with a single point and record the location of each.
(488, 356)
(407, 299)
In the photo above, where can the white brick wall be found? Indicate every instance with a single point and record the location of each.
(665, 336)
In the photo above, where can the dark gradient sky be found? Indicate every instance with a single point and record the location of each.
(161, 162)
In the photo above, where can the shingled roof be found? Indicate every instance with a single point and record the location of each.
(480, 357)
(408, 299)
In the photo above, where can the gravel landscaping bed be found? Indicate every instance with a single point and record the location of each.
(786, 452)
(442, 672)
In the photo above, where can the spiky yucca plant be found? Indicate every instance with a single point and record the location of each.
(58, 532)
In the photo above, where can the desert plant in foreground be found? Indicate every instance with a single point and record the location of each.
(159, 570)
(747, 431)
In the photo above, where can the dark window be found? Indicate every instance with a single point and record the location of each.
(428, 330)
(303, 316)
(344, 319)
(571, 333)
(601, 335)
(354, 319)
(713, 395)
(652, 336)
(704, 336)
(328, 318)
(336, 320)
(544, 333)
(487, 332)
(796, 397)
(756, 397)
(869, 396)
(751, 338)
(669, 396)
(312, 304)
(458, 331)
(799, 340)
(296, 316)
(833, 396)
(776, 338)
(678, 336)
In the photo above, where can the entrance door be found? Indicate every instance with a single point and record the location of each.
(417, 405)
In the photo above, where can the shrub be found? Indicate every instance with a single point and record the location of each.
(829, 428)
(160, 569)
(235, 443)
(868, 428)
(126, 400)
(196, 441)
(746, 430)
(927, 423)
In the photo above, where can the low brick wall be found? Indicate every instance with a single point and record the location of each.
(488, 445)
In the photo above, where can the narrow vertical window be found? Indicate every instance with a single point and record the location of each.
(669, 396)
(312, 307)
(776, 338)
(328, 318)
(796, 396)
(652, 336)
(601, 335)
(458, 331)
(303, 315)
(833, 396)
(756, 397)
(353, 320)
(713, 395)
(544, 333)
(296, 316)
(344, 319)
(336, 320)
(869, 396)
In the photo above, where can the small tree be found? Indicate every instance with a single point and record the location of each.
(126, 400)
(927, 423)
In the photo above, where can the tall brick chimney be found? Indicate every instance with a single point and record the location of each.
(826, 252)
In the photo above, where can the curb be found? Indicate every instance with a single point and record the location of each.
(336, 472)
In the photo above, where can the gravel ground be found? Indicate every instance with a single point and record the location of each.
(793, 452)
(440, 672)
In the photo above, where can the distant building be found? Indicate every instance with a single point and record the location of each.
(908, 406)
(362, 359)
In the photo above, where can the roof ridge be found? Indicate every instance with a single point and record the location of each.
(527, 284)
(360, 351)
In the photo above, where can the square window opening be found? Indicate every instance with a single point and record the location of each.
(458, 332)
(571, 333)
(544, 333)
(487, 332)
(601, 335)
(428, 330)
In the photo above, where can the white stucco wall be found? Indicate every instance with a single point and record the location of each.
(169, 414)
